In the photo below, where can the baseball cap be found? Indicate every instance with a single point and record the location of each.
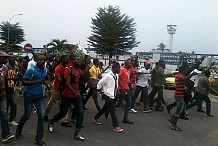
(147, 63)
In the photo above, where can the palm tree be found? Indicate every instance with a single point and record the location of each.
(57, 45)
(161, 47)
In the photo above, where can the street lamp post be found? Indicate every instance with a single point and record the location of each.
(9, 29)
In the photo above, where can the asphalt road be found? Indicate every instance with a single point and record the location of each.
(149, 129)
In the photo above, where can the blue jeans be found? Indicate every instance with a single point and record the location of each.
(125, 96)
(11, 101)
(180, 106)
(4, 116)
(38, 101)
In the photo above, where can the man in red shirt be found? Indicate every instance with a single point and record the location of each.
(124, 80)
(55, 92)
(71, 95)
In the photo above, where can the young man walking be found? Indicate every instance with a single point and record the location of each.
(10, 71)
(124, 92)
(109, 84)
(179, 97)
(71, 95)
(34, 79)
(3, 111)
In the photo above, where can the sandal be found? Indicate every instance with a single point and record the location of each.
(175, 128)
(78, 137)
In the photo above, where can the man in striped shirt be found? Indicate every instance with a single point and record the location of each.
(179, 96)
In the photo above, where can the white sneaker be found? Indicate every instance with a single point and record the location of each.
(7, 138)
(13, 123)
(133, 111)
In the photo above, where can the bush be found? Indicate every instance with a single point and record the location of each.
(214, 86)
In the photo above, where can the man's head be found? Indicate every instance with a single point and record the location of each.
(12, 60)
(40, 59)
(63, 60)
(147, 65)
(96, 62)
(183, 70)
(116, 67)
(162, 64)
(128, 63)
(76, 60)
(88, 59)
(207, 73)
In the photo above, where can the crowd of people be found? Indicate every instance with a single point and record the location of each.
(75, 81)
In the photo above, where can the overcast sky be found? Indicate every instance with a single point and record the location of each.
(43, 20)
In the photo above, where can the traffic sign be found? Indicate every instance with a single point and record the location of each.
(28, 47)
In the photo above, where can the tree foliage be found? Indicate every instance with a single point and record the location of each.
(112, 33)
(12, 36)
(161, 47)
(58, 46)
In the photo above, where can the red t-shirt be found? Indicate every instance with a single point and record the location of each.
(70, 63)
(59, 71)
(180, 86)
(133, 75)
(75, 85)
(125, 78)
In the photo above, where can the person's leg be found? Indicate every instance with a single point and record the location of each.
(40, 106)
(208, 104)
(198, 99)
(65, 104)
(103, 110)
(152, 95)
(55, 96)
(95, 98)
(137, 91)
(4, 117)
(110, 103)
(158, 99)
(28, 104)
(13, 104)
(87, 96)
(80, 114)
(120, 99)
(127, 108)
(171, 106)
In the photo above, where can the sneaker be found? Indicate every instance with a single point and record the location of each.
(209, 115)
(186, 113)
(50, 126)
(146, 110)
(96, 121)
(78, 137)
(40, 142)
(118, 129)
(66, 124)
(127, 122)
(133, 111)
(7, 138)
(13, 123)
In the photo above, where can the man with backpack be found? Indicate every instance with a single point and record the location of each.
(71, 95)
(34, 79)
(57, 87)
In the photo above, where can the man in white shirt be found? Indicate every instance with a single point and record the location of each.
(142, 86)
(109, 85)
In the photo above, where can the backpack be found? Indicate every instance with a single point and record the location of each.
(72, 76)
(23, 89)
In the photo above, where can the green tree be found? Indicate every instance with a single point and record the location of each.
(161, 47)
(59, 46)
(12, 36)
(112, 33)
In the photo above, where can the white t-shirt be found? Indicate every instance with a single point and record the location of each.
(143, 78)
(31, 64)
(196, 77)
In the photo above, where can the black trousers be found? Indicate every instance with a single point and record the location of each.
(108, 105)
